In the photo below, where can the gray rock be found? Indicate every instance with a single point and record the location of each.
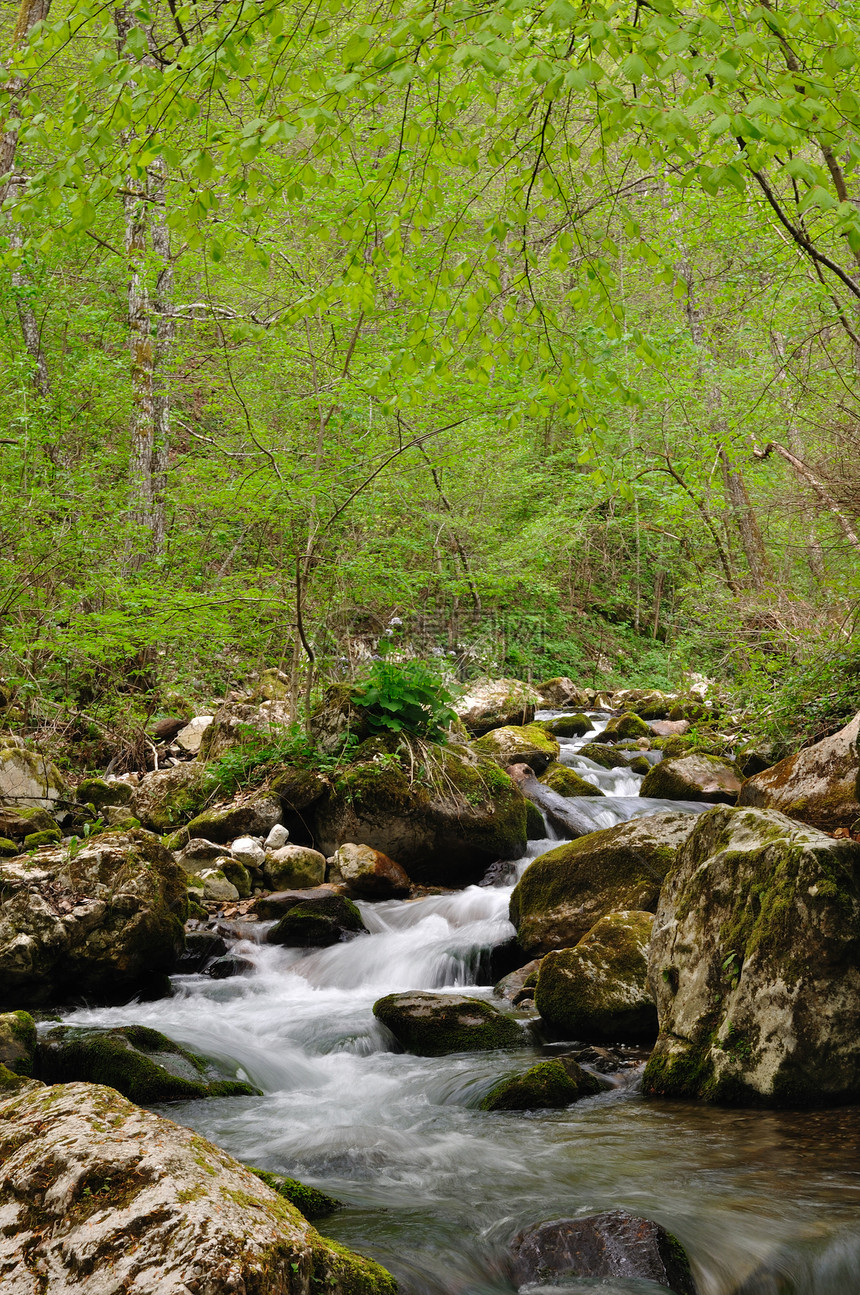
(758, 928)
(433, 1025)
(249, 851)
(294, 867)
(693, 777)
(616, 1244)
(316, 922)
(190, 737)
(100, 1196)
(492, 703)
(819, 785)
(278, 837)
(29, 781)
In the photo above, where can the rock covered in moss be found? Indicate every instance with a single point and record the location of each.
(444, 814)
(562, 691)
(294, 867)
(235, 872)
(18, 822)
(8, 849)
(309, 1201)
(100, 794)
(755, 965)
(598, 990)
(17, 1042)
(693, 777)
(565, 891)
(647, 703)
(95, 922)
(615, 1244)
(493, 703)
(568, 725)
(142, 1064)
(433, 1025)
(819, 785)
(315, 922)
(567, 782)
(99, 1196)
(526, 744)
(167, 798)
(252, 815)
(622, 727)
(212, 885)
(608, 757)
(36, 840)
(29, 781)
(370, 874)
(549, 1085)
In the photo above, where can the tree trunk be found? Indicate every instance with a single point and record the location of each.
(745, 520)
(165, 336)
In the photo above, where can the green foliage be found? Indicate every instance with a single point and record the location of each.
(405, 697)
(249, 764)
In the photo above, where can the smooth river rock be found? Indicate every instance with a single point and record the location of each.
(693, 777)
(99, 1197)
(755, 965)
(616, 1244)
(818, 785)
(433, 1025)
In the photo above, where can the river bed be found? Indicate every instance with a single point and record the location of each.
(434, 1188)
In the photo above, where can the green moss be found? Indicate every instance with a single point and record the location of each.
(606, 756)
(36, 840)
(432, 1026)
(623, 726)
(536, 828)
(18, 1041)
(526, 743)
(548, 1085)
(568, 726)
(8, 849)
(333, 1265)
(309, 1201)
(97, 792)
(318, 922)
(567, 783)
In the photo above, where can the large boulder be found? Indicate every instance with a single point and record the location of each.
(621, 728)
(561, 691)
(693, 777)
(138, 1062)
(370, 874)
(29, 781)
(616, 1244)
(99, 922)
(98, 1196)
(818, 785)
(317, 921)
(549, 1085)
(598, 991)
(433, 1025)
(492, 703)
(167, 798)
(528, 744)
(755, 965)
(564, 892)
(251, 815)
(568, 725)
(444, 814)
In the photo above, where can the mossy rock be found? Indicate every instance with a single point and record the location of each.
(442, 813)
(536, 828)
(36, 840)
(317, 922)
(338, 718)
(294, 867)
(598, 991)
(223, 823)
(621, 727)
(8, 849)
(640, 765)
(493, 703)
(167, 798)
(568, 725)
(566, 782)
(298, 789)
(434, 1025)
(16, 822)
(100, 794)
(236, 873)
(17, 1042)
(527, 744)
(309, 1201)
(565, 891)
(549, 1085)
(755, 965)
(28, 780)
(693, 777)
(144, 1065)
(608, 757)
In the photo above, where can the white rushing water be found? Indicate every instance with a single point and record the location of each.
(433, 1187)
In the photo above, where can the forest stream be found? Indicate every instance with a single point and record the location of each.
(765, 1202)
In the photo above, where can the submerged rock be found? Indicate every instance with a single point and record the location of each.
(314, 922)
(561, 812)
(100, 1196)
(95, 924)
(370, 874)
(818, 785)
(432, 1025)
(529, 744)
(142, 1064)
(693, 777)
(608, 757)
(564, 892)
(549, 1085)
(494, 703)
(598, 991)
(445, 816)
(755, 965)
(616, 1244)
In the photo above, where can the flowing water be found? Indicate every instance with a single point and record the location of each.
(766, 1203)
